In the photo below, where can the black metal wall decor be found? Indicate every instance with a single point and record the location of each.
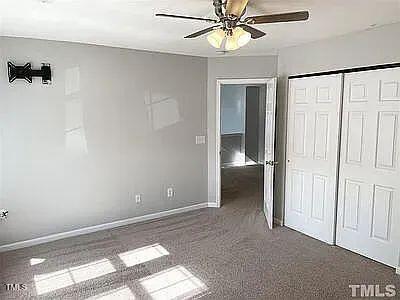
(26, 72)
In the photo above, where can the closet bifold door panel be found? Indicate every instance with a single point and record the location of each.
(314, 106)
(368, 219)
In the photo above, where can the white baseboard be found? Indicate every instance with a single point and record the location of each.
(76, 232)
(278, 222)
(212, 204)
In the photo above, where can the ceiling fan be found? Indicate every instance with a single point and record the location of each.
(232, 27)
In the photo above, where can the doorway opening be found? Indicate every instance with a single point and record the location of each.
(242, 125)
(245, 143)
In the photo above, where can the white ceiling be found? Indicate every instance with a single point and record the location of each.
(132, 24)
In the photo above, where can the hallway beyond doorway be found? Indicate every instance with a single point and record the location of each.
(233, 151)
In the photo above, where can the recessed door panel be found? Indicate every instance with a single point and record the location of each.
(319, 189)
(299, 143)
(297, 191)
(321, 135)
(386, 140)
(351, 208)
(382, 213)
(300, 95)
(323, 94)
(390, 90)
(355, 137)
(358, 92)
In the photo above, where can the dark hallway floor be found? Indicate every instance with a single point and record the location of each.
(225, 253)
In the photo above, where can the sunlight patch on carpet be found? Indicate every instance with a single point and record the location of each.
(176, 282)
(122, 293)
(49, 282)
(144, 254)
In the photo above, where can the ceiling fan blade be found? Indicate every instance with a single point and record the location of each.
(255, 33)
(201, 32)
(285, 17)
(235, 7)
(187, 18)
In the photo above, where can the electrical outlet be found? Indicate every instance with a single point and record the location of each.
(3, 214)
(170, 192)
(138, 198)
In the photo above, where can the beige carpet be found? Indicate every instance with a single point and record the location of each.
(225, 253)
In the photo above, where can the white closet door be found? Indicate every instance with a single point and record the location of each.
(369, 178)
(312, 155)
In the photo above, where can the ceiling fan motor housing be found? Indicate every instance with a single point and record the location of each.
(219, 5)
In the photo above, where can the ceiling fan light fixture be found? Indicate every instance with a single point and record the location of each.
(231, 43)
(231, 26)
(242, 37)
(216, 38)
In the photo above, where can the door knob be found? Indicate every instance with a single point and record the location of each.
(271, 162)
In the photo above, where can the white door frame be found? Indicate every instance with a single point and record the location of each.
(220, 82)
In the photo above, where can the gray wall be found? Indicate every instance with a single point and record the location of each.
(233, 109)
(114, 123)
(255, 116)
(118, 122)
(377, 46)
(224, 68)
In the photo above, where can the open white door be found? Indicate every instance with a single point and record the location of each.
(269, 157)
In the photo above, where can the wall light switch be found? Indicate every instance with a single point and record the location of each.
(170, 192)
(200, 139)
(138, 198)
